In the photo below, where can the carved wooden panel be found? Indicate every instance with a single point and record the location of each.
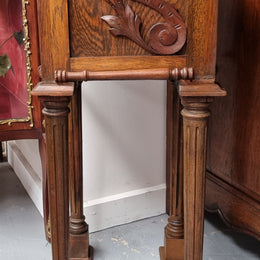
(90, 35)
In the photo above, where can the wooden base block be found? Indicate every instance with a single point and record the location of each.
(79, 248)
(173, 250)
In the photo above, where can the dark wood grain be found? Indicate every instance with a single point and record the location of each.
(90, 36)
(237, 209)
(164, 38)
(234, 164)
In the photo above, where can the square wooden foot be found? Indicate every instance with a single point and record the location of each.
(173, 250)
(79, 248)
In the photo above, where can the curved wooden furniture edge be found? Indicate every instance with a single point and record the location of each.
(54, 89)
(200, 89)
(220, 195)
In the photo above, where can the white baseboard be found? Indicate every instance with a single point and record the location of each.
(27, 175)
(124, 208)
(101, 213)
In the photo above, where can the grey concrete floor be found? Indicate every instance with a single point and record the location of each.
(22, 234)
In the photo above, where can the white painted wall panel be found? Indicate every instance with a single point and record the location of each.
(124, 127)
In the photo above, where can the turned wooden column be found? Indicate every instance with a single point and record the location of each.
(174, 231)
(79, 236)
(195, 98)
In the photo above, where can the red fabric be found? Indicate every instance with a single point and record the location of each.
(13, 88)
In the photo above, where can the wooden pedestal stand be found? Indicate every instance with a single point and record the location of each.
(65, 145)
(76, 41)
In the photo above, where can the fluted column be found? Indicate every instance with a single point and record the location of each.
(196, 97)
(55, 99)
(56, 118)
(188, 164)
(195, 117)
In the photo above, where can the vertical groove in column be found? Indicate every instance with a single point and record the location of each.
(55, 113)
(195, 116)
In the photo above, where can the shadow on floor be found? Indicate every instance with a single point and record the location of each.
(243, 241)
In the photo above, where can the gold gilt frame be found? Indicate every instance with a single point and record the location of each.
(28, 71)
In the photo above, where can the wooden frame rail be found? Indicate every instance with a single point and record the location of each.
(156, 74)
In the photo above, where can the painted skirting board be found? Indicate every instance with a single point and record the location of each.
(100, 213)
(125, 207)
(27, 175)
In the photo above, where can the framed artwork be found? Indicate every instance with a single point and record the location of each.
(15, 63)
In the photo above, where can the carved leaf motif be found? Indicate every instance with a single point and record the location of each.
(125, 24)
(164, 38)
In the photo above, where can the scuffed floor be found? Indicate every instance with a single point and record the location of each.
(138, 240)
(22, 234)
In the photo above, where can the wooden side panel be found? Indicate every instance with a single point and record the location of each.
(90, 35)
(237, 209)
(234, 129)
(54, 36)
(247, 122)
(221, 125)
(234, 150)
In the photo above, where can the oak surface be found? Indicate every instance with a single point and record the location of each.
(233, 158)
(73, 39)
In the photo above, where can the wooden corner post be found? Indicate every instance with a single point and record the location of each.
(196, 98)
(55, 99)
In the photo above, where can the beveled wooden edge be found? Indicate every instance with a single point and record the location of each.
(217, 186)
(200, 89)
(54, 89)
(126, 62)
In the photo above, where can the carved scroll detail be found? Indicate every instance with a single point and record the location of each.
(164, 38)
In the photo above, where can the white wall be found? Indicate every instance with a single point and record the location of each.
(124, 126)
